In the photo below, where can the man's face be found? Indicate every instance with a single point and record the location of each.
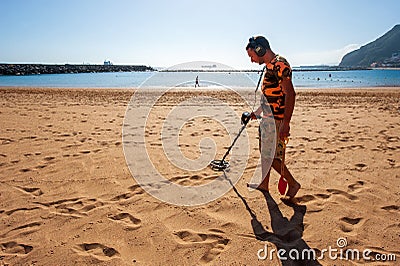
(254, 57)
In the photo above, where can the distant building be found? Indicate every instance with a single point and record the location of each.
(108, 63)
(374, 64)
(394, 60)
(395, 56)
(209, 66)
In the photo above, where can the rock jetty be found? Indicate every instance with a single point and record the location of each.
(34, 69)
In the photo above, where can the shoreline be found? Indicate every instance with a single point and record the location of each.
(203, 89)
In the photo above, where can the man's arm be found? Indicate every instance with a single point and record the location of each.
(290, 98)
(258, 111)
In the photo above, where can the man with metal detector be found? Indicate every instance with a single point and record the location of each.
(277, 100)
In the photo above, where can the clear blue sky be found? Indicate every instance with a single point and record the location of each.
(165, 33)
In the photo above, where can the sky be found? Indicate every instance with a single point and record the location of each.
(165, 33)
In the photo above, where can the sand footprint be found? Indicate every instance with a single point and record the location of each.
(33, 191)
(322, 196)
(214, 241)
(315, 203)
(24, 229)
(391, 208)
(196, 179)
(348, 224)
(181, 180)
(75, 207)
(133, 190)
(80, 207)
(10, 212)
(361, 167)
(127, 220)
(342, 193)
(359, 185)
(306, 198)
(14, 248)
(6, 141)
(99, 251)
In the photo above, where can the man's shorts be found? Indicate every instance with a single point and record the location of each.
(270, 144)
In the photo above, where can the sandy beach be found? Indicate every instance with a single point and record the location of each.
(67, 196)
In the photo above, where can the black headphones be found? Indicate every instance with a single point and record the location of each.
(258, 48)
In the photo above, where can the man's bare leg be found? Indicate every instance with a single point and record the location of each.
(264, 184)
(294, 186)
(265, 172)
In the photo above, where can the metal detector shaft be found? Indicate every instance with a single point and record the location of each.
(245, 122)
(233, 143)
(222, 164)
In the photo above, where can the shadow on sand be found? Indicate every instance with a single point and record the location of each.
(286, 235)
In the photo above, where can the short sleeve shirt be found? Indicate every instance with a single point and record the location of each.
(276, 70)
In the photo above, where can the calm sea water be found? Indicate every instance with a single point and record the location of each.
(305, 79)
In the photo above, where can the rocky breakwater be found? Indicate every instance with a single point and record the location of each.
(34, 69)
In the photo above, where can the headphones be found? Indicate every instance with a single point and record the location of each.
(258, 48)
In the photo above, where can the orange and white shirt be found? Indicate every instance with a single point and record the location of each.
(276, 70)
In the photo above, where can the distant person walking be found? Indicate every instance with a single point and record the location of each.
(197, 82)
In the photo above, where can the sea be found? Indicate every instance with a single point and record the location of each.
(208, 80)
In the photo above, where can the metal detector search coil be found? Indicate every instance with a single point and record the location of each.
(219, 165)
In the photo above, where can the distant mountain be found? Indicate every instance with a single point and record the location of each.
(384, 51)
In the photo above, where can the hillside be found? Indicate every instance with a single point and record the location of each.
(384, 51)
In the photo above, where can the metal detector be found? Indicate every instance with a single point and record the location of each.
(221, 165)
